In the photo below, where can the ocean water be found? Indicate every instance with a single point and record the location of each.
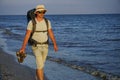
(85, 40)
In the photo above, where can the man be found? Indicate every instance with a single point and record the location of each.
(40, 35)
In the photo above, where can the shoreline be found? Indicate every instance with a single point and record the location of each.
(11, 70)
(94, 72)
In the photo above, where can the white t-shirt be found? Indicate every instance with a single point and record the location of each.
(40, 26)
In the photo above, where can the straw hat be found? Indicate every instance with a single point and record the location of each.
(40, 8)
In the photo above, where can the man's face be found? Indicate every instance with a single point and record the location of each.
(40, 13)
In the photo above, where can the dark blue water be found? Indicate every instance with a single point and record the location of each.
(87, 40)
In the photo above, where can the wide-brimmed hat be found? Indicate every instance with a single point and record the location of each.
(40, 8)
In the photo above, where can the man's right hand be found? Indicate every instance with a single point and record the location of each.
(22, 50)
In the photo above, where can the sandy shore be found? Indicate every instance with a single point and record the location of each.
(11, 70)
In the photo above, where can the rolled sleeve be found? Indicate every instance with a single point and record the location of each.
(49, 23)
(29, 26)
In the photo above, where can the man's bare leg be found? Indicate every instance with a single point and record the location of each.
(40, 74)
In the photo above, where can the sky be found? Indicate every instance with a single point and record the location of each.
(20, 7)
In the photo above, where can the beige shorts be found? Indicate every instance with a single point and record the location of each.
(40, 53)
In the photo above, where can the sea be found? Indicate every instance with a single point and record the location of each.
(91, 40)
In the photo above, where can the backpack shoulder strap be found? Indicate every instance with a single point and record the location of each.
(34, 26)
(47, 24)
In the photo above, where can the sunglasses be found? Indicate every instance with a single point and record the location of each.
(41, 12)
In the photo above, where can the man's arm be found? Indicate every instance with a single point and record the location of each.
(27, 35)
(50, 32)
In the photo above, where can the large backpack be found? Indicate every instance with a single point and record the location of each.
(31, 16)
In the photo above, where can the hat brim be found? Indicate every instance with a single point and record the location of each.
(40, 10)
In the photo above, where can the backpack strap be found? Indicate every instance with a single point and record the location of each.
(46, 21)
(34, 26)
(47, 24)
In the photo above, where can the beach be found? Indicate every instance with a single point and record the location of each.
(11, 70)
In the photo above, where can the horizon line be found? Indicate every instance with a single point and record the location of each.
(70, 14)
